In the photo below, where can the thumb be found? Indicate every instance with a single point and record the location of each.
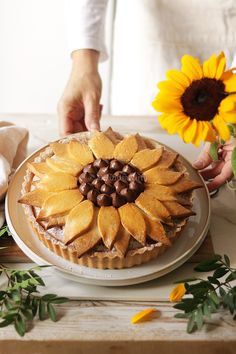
(92, 114)
(204, 159)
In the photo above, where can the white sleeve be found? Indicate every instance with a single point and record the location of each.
(234, 62)
(85, 22)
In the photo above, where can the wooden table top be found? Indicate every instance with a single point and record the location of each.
(104, 327)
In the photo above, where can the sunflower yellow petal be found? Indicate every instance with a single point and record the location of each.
(173, 122)
(178, 78)
(191, 67)
(190, 131)
(229, 117)
(163, 103)
(210, 67)
(221, 127)
(208, 133)
(228, 104)
(230, 82)
(168, 87)
(198, 136)
(221, 64)
(177, 293)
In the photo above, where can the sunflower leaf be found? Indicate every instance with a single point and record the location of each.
(233, 161)
(214, 151)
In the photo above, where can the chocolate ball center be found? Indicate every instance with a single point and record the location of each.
(110, 182)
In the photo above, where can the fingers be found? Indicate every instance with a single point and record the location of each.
(71, 118)
(225, 175)
(204, 159)
(212, 172)
(92, 113)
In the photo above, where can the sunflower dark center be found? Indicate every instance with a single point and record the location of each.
(202, 98)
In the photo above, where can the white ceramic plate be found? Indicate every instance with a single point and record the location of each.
(191, 238)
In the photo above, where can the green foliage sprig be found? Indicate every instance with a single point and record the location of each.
(20, 301)
(206, 297)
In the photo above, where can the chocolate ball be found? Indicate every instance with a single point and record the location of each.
(108, 179)
(100, 163)
(84, 188)
(135, 176)
(86, 177)
(97, 183)
(119, 185)
(116, 165)
(103, 171)
(122, 176)
(90, 169)
(107, 189)
(128, 169)
(128, 194)
(136, 186)
(104, 200)
(117, 200)
(92, 195)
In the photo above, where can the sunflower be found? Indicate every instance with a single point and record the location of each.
(198, 102)
(109, 191)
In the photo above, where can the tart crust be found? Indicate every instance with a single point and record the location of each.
(98, 259)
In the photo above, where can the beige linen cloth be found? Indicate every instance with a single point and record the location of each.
(13, 144)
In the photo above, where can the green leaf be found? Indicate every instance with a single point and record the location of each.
(214, 151)
(42, 310)
(48, 297)
(227, 260)
(34, 306)
(191, 324)
(206, 310)
(27, 314)
(213, 296)
(6, 323)
(212, 280)
(59, 300)
(51, 312)
(20, 325)
(199, 318)
(207, 268)
(222, 291)
(233, 161)
(220, 272)
(231, 277)
(181, 315)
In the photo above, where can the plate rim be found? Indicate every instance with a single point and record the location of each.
(87, 279)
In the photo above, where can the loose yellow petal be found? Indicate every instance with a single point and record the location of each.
(143, 315)
(177, 293)
(191, 67)
(221, 127)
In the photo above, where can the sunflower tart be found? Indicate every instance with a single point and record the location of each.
(103, 200)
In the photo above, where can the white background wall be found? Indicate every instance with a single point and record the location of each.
(34, 61)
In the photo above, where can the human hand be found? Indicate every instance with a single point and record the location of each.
(79, 108)
(216, 172)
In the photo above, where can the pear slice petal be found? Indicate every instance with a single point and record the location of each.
(185, 184)
(60, 150)
(108, 225)
(57, 181)
(78, 221)
(146, 158)
(126, 149)
(156, 231)
(152, 207)
(133, 221)
(89, 239)
(101, 146)
(55, 221)
(60, 165)
(161, 176)
(141, 142)
(122, 242)
(177, 210)
(35, 198)
(80, 153)
(39, 169)
(168, 159)
(162, 193)
(60, 203)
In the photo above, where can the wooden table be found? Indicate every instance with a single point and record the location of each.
(103, 327)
